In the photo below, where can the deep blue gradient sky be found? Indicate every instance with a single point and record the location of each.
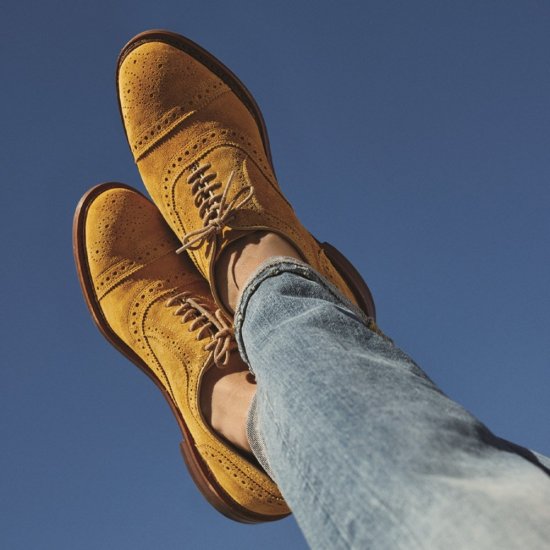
(412, 135)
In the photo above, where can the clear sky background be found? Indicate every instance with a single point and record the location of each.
(412, 135)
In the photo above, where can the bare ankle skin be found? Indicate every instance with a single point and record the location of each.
(226, 395)
(241, 258)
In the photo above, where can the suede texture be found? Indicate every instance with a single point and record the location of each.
(179, 116)
(134, 270)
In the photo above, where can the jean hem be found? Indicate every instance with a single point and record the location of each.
(271, 268)
(255, 438)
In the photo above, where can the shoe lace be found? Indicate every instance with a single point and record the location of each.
(216, 325)
(214, 208)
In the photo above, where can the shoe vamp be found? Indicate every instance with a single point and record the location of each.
(136, 306)
(225, 122)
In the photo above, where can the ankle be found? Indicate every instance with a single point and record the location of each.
(226, 395)
(242, 257)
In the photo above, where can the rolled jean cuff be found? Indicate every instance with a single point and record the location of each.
(273, 267)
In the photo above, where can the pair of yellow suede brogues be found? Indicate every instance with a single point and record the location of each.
(146, 269)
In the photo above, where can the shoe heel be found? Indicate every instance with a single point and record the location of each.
(352, 278)
(215, 495)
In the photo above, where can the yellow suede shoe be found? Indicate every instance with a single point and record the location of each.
(201, 146)
(155, 308)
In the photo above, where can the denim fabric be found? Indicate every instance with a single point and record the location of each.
(368, 452)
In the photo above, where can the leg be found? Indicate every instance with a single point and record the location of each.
(368, 452)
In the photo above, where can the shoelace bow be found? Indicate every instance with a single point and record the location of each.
(213, 207)
(215, 325)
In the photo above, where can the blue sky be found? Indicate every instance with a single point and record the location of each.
(412, 135)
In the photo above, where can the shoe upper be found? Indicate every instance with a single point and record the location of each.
(157, 304)
(201, 155)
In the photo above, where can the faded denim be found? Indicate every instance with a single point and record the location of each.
(368, 452)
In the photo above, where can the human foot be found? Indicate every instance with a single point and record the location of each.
(241, 258)
(226, 395)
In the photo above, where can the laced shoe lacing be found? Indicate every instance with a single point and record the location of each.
(215, 212)
(212, 203)
(215, 326)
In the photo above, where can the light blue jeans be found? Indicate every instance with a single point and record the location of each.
(368, 452)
